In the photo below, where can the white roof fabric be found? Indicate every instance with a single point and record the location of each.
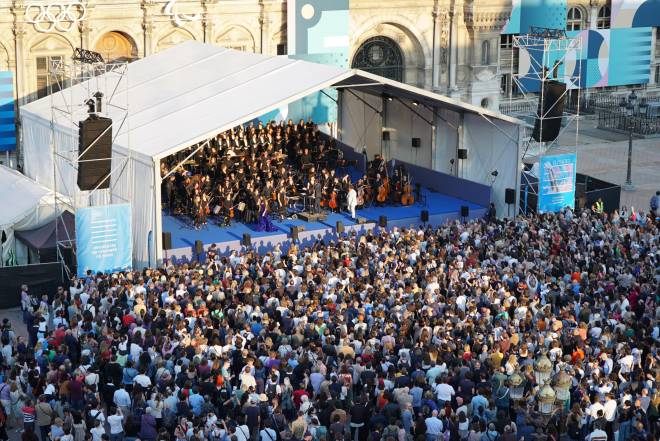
(193, 91)
(19, 194)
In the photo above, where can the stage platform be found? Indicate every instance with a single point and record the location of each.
(442, 208)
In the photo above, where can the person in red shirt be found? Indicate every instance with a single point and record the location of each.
(297, 397)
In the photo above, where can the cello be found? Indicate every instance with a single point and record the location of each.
(383, 190)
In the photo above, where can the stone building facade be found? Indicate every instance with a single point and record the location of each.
(450, 46)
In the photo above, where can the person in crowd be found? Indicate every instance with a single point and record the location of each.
(398, 334)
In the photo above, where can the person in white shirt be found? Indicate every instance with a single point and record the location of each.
(142, 379)
(97, 431)
(444, 392)
(351, 201)
(116, 423)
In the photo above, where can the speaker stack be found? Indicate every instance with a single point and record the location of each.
(94, 152)
(550, 111)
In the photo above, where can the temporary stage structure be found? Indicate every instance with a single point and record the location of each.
(190, 93)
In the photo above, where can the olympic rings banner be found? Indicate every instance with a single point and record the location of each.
(557, 182)
(57, 16)
(103, 238)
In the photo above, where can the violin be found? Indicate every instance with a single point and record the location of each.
(407, 197)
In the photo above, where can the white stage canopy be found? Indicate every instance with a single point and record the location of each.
(26, 205)
(177, 98)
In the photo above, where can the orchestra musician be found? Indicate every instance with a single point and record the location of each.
(236, 171)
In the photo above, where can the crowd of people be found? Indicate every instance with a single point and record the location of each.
(253, 172)
(417, 334)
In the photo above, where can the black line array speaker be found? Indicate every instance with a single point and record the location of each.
(386, 135)
(417, 142)
(465, 211)
(95, 152)
(551, 110)
(247, 240)
(167, 240)
(510, 196)
(382, 221)
(199, 247)
(462, 153)
(340, 227)
(425, 215)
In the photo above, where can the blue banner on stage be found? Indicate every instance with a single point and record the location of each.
(103, 238)
(557, 182)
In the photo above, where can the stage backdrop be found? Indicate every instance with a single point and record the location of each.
(103, 238)
(7, 115)
(557, 182)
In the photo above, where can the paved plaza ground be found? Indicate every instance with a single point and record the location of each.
(604, 155)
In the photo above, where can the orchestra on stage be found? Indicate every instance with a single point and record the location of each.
(257, 172)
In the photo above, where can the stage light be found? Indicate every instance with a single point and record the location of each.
(451, 161)
(415, 103)
(494, 173)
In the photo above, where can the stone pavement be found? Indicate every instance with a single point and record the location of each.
(604, 155)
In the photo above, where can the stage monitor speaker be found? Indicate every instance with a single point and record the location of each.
(425, 216)
(247, 240)
(462, 153)
(361, 220)
(95, 153)
(465, 211)
(386, 135)
(295, 231)
(417, 142)
(340, 227)
(550, 111)
(382, 221)
(167, 240)
(199, 247)
(510, 195)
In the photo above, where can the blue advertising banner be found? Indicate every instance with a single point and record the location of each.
(557, 182)
(7, 115)
(103, 238)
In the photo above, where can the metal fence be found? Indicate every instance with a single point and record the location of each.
(641, 125)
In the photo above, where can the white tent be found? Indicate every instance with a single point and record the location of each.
(26, 205)
(175, 99)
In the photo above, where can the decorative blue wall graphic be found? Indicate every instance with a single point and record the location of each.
(557, 182)
(7, 115)
(103, 238)
(635, 13)
(608, 57)
(541, 13)
(318, 32)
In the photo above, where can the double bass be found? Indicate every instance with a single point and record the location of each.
(407, 196)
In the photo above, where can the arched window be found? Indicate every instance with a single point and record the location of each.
(381, 56)
(574, 20)
(485, 53)
(604, 15)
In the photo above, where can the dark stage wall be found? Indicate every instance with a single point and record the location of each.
(41, 279)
